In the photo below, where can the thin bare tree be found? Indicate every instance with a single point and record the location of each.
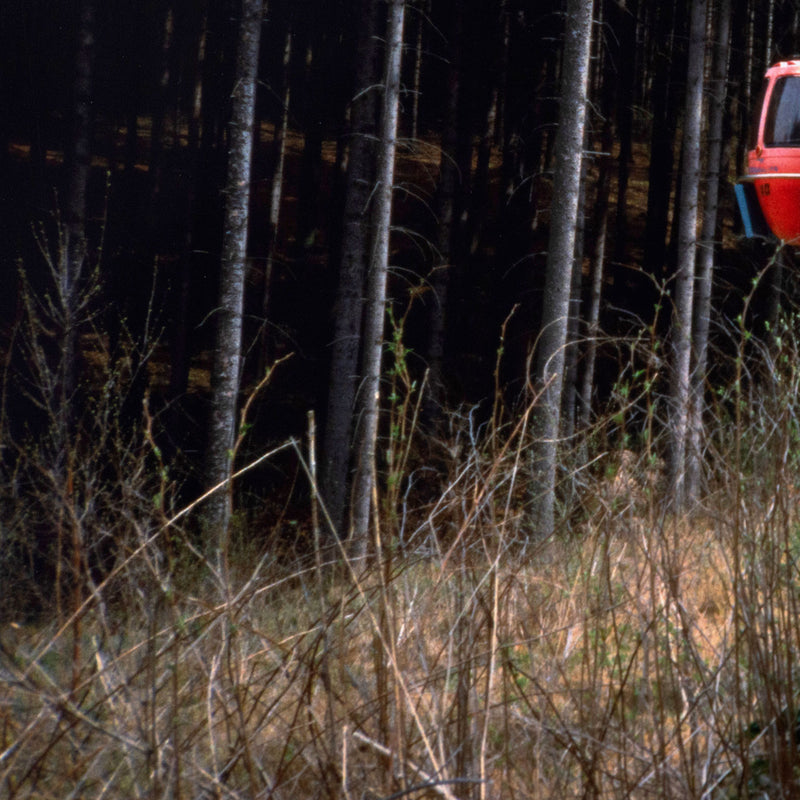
(680, 389)
(375, 311)
(227, 353)
(717, 97)
(353, 259)
(568, 156)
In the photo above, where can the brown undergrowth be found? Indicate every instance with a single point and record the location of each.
(608, 665)
(633, 654)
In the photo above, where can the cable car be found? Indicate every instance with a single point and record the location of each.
(769, 194)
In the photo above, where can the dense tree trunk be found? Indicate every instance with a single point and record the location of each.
(593, 310)
(717, 96)
(348, 306)
(768, 43)
(564, 216)
(375, 310)
(227, 354)
(569, 390)
(686, 258)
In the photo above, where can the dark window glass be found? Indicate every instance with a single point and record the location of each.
(782, 126)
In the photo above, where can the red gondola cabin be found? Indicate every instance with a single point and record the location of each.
(769, 194)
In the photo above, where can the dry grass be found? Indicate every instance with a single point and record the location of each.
(636, 656)
(631, 655)
(608, 666)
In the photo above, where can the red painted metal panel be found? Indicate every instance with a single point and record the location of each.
(773, 162)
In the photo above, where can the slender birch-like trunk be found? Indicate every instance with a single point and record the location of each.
(227, 354)
(568, 156)
(705, 257)
(687, 250)
(569, 388)
(376, 285)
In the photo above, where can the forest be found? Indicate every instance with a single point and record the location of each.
(392, 404)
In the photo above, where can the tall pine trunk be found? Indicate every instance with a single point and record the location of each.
(569, 388)
(375, 310)
(568, 158)
(346, 346)
(227, 353)
(705, 258)
(686, 258)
